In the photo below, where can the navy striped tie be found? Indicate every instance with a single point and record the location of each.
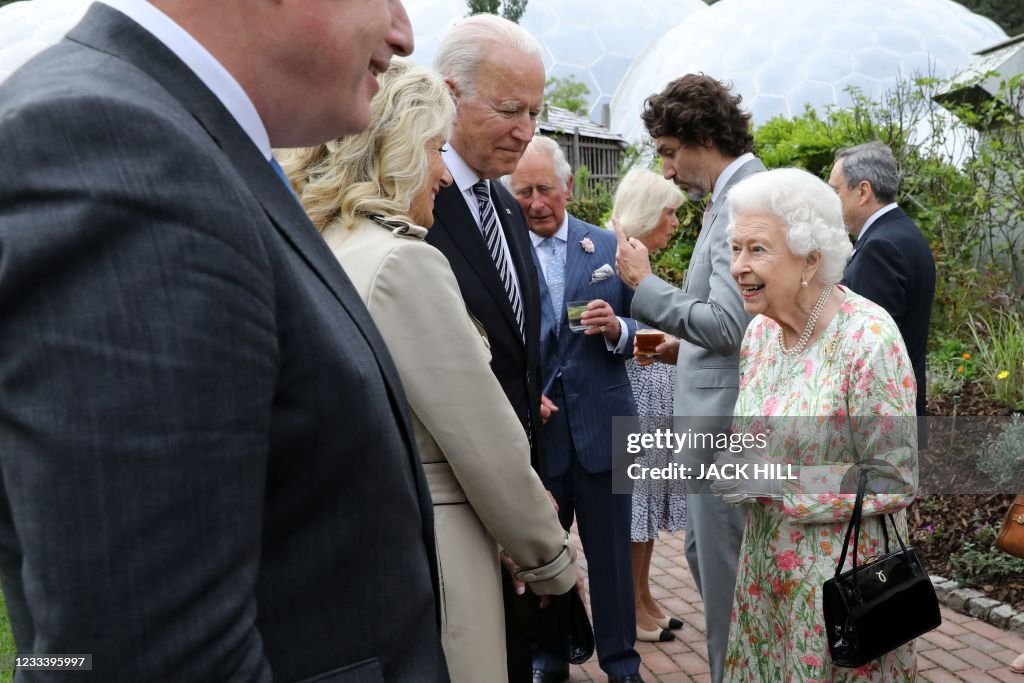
(490, 228)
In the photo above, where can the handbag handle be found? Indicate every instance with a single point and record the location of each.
(854, 526)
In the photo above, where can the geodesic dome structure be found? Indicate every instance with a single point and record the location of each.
(31, 26)
(783, 54)
(594, 41)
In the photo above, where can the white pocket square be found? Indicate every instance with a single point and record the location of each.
(602, 273)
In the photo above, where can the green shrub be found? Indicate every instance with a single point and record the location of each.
(999, 342)
(1002, 455)
(978, 559)
(590, 202)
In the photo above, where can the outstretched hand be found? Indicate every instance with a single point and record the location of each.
(631, 258)
(747, 487)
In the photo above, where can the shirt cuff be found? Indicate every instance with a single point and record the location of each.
(618, 347)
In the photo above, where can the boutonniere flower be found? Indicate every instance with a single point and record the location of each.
(587, 244)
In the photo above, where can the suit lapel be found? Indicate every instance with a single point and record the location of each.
(749, 168)
(577, 262)
(450, 208)
(887, 217)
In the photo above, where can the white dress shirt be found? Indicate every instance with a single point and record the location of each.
(727, 173)
(871, 221)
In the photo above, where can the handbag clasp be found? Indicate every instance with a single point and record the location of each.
(1019, 518)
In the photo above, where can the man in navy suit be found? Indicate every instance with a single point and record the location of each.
(495, 72)
(891, 263)
(585, 385)
(207, 468)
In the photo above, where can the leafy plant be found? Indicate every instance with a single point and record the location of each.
(978, 559)
(1002, 455)
(999, 341)
(567, 93)
(591, 202)
(512, 10)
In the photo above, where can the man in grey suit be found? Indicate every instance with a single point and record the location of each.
(704, 142)
(586, 383)
(199, 421)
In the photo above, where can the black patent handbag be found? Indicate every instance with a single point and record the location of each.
(562, 628)
(875, 607)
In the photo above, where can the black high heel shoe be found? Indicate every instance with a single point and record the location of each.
(669, 623)
(655, 636)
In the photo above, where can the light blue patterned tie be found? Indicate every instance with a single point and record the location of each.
(554, 273)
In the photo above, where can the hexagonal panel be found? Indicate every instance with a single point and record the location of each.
(817, 47)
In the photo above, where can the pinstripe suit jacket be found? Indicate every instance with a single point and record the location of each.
(593, 383)
(207, 470)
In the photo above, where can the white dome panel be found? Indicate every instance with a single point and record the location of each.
(29, 27)
(594, 40)
(783, 54)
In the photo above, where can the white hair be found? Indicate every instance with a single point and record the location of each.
(465, 47)
(563, 171)
(810, 211)
(640, 199)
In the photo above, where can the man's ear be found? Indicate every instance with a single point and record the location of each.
(864, 192)
(454, 87)
(568, 185)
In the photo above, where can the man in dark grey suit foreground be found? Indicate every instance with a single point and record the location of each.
(207, 467)
(705, 145)
(585, 380)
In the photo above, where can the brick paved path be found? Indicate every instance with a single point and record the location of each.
(962, 649)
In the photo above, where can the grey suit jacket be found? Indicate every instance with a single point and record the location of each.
(207, 471)
(706, 314)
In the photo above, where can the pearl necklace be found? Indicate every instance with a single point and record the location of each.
(801, 343)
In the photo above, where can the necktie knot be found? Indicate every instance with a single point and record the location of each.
(481, 192)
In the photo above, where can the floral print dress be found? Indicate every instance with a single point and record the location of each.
(858, 367)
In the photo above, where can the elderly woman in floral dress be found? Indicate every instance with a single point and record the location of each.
(834, 365)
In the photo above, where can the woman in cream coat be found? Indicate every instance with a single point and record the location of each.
(372, 196)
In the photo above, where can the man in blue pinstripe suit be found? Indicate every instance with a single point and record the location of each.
(585, 385)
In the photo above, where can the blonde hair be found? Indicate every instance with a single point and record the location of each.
(641, 198)
(381, 170)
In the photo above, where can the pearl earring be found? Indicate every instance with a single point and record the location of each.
(803, 283)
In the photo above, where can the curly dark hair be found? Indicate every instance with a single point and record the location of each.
(697, 109)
